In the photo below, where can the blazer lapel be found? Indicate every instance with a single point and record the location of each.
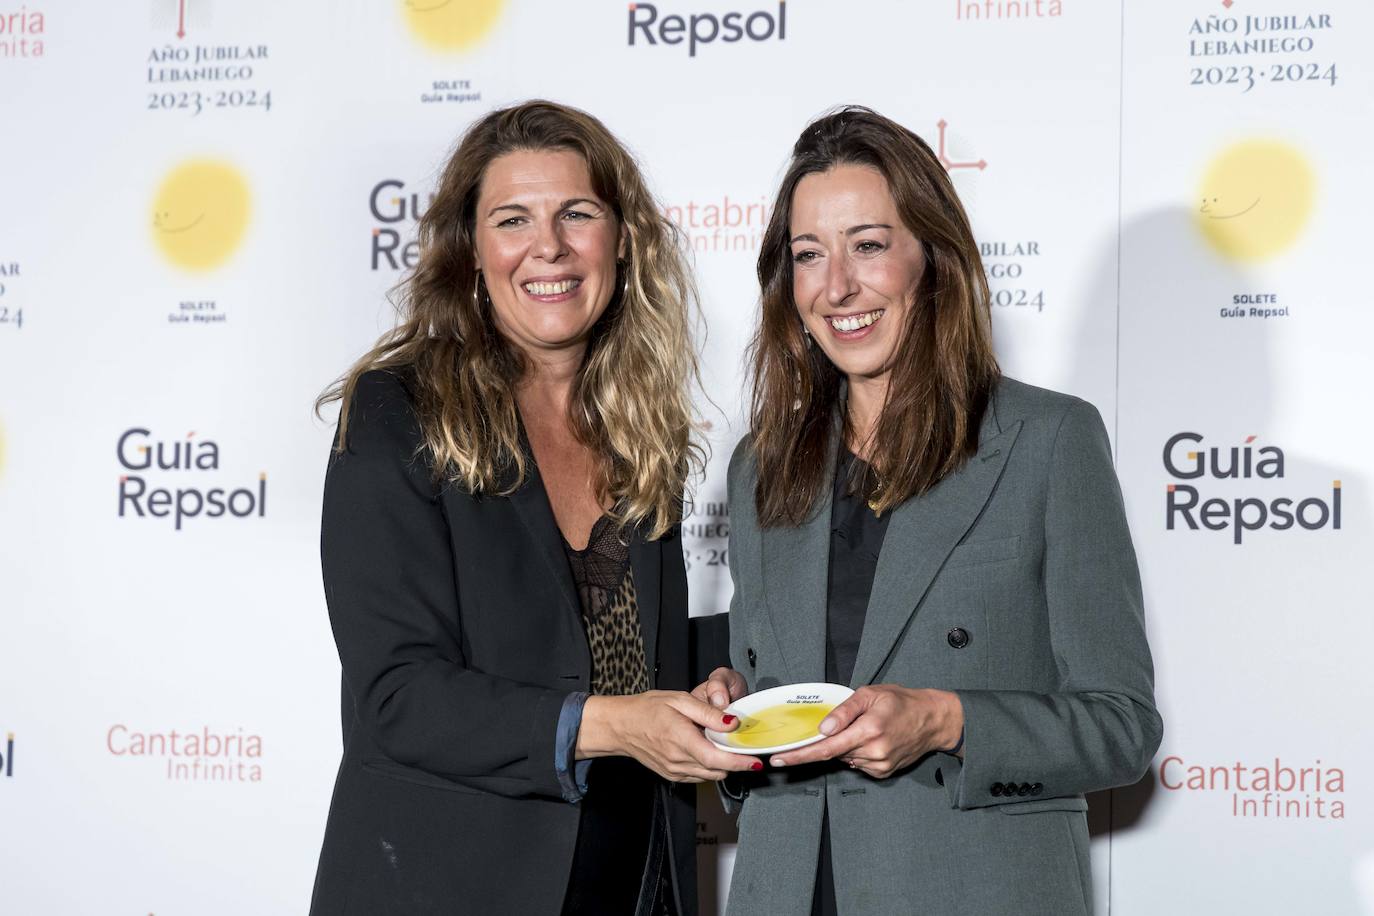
(796, 568)
(919, 537)
(646, 561)
(531, 503)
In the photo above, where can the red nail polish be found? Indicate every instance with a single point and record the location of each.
(756, 765)
(728, 720)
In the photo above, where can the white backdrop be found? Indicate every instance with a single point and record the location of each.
(205, 201)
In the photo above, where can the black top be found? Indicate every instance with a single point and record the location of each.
(856, 539)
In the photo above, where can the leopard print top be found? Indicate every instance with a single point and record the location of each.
(610, 611)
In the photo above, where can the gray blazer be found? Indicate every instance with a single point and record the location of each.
(1025, 550)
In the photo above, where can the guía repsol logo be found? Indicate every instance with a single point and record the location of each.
(138, 451)
(1184, 459)
(705, 28)
(397, 209)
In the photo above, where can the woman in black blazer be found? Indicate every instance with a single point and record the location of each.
(505, 751)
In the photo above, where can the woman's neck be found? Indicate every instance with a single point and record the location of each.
(865, 404)
(546, 390)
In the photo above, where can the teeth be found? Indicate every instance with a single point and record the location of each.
(854, 322)
(552, 289)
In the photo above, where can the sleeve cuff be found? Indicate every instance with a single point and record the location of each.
(572, 773)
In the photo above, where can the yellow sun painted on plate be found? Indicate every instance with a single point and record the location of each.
(200, 213)
(1257, 197)
(451, 25)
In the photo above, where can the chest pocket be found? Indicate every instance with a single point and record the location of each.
(979, 553)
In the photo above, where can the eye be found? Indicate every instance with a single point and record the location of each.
(868, 247)
(577, 216)
(510, 222)
(804, 257)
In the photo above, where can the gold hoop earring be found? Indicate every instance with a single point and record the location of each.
(477, 294)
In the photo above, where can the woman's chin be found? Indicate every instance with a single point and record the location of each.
(551, 338)
(862, 366)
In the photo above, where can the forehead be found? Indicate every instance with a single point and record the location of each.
(525, 173)
(846, 195)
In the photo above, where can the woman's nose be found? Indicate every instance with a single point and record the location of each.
(839, 281)
(549, 244)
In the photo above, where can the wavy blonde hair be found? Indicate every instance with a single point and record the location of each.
(631, 401)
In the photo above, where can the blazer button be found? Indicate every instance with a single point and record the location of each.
(753, 659)
(1023, 789)
(1037, 788)
(996, 789)
(957, 638)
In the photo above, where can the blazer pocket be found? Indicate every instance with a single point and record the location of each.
(975, 553)
(1068, 803)
(402, 773)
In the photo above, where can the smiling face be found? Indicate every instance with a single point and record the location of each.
(546, 247)
(855, 268)
(200, 214)
(1257, 197)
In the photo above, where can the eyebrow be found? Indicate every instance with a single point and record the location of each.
(808, 237)
(520, 208)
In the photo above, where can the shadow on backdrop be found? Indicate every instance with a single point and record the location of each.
(1203, 364)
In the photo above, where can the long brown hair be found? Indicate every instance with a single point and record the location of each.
(944, 369)
(631, 401)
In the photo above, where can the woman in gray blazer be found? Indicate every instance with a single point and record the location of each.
(948, 541)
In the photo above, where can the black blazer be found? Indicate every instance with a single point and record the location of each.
(460, 634)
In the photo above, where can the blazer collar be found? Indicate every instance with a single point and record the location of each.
(920, 536)
(531, 503)
(646, 561)
(796, 568)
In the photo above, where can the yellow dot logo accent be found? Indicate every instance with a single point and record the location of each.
(451, 25)
(200, 214)
(1257, 197)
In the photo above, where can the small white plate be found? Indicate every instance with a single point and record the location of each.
(799, 697)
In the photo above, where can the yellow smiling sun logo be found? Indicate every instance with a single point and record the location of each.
(1256, 199)
(451, 25)
(200, 214)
